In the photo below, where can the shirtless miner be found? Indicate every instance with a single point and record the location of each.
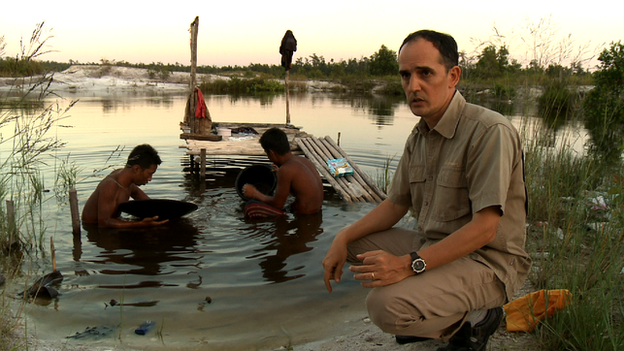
(102, 206)
(296, 176)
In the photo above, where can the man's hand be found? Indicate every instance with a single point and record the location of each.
(380, 268)
(153, 221)
(249, 191)
(333, 262)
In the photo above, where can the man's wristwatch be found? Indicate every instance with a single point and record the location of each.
(418, 264)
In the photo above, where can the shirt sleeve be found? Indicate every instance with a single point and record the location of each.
(490, 165)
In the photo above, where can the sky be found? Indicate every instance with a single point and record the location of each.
(244, 32)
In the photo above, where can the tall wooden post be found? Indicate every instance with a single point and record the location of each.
(73, 207)
(193, 104)
(287, 99)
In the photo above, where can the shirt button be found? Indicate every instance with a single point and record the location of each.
(426, 203)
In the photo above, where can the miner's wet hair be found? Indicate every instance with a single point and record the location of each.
(143, 155)
(275, 139)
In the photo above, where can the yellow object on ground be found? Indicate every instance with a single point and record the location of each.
(525, 312)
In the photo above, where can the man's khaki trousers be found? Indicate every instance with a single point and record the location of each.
(433, 304)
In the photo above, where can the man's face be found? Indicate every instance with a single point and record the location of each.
(144, 176)
(428, 87)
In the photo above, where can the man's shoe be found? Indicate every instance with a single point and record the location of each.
(406, 339)
(468, 338)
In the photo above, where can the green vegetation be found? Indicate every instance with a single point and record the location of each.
(577, 213)
(237, 85)
(22, 225)
(604, 105)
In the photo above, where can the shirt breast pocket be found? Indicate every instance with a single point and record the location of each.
(451, 199)
(417, 185)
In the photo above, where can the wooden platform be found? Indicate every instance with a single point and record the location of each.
(352, 188)
(246, 144)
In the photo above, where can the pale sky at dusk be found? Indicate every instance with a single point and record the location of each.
(243, 32)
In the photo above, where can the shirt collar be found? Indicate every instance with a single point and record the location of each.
(450, 119)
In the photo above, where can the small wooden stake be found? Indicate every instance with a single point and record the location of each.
(53, 251)
(202, 170)
(73, 206)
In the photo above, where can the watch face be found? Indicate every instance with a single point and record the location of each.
(418, 265)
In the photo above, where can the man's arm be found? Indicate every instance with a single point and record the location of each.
(390, 269)
(107, 208)
(278, 200)
(137, 194)
(382, 217)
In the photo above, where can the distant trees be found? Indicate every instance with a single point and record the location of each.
(604, 105)
(492, 63)
(384, 62)
(24, 64)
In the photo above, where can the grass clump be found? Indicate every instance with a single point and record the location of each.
(237, 85)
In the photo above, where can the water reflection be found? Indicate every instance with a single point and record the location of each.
(282, 238)
(144, 251)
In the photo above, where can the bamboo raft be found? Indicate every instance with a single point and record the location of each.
(352, 188)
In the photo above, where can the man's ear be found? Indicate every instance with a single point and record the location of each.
(454, 74)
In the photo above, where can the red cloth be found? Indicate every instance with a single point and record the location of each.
(200, 109)
(257, 209)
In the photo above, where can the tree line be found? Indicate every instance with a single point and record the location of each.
(491, 65)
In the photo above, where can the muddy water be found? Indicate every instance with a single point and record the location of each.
(211, 280)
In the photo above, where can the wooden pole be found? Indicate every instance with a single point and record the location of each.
(193, 82)
(53, 252)
(73, 206)
(202, 170)
(287, 99)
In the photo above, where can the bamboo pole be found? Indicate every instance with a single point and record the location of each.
(312, 157)
(323, 160)
(339, 153)
(354, 188)
(73, 206)
(356, 168)
(353, 179)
